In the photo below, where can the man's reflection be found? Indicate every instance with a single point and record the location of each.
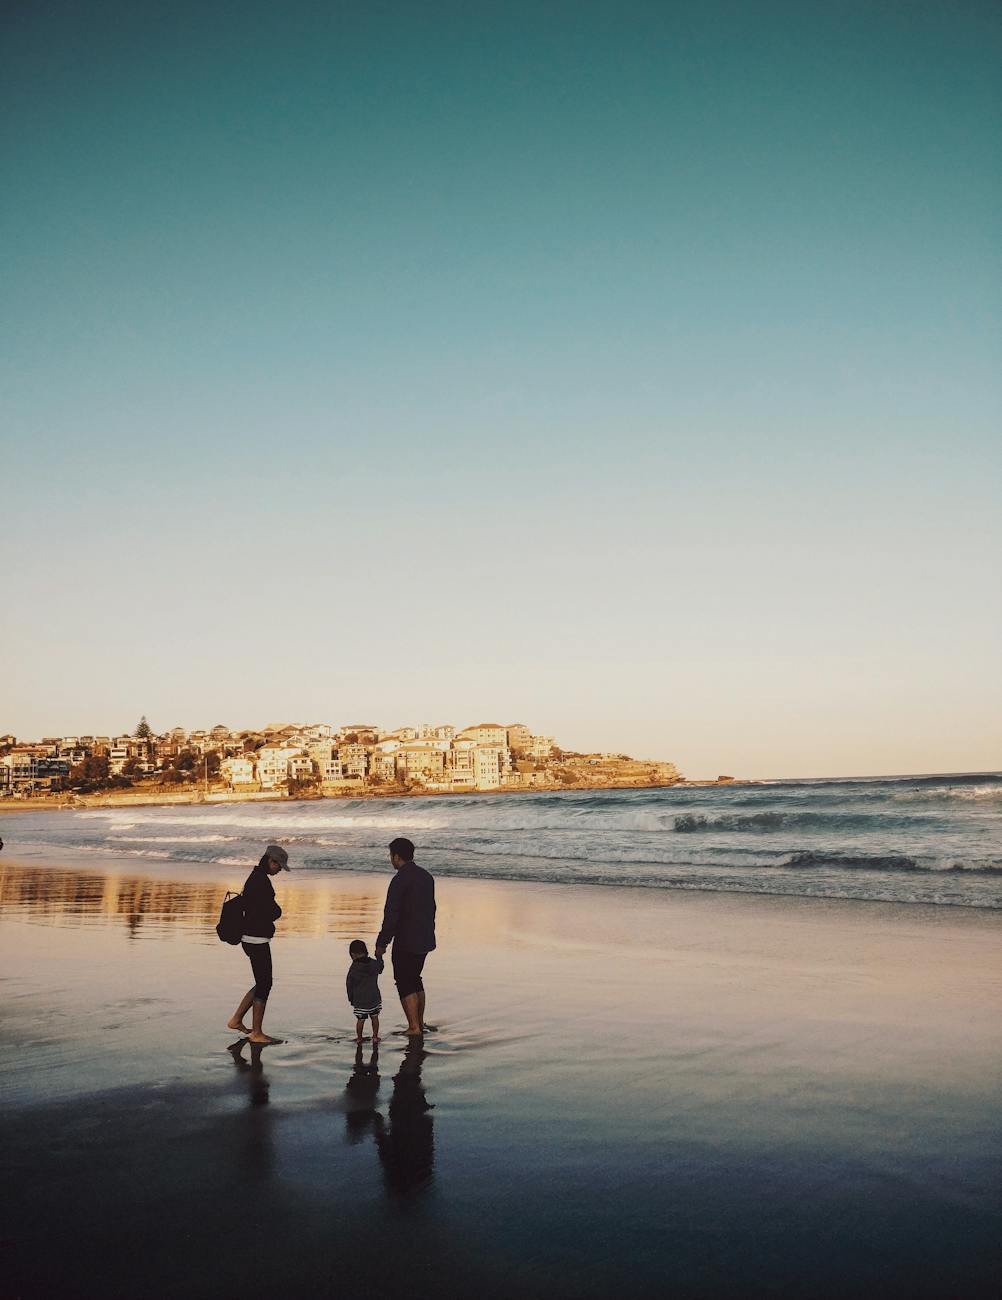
(360, 1115)
(407, 1143)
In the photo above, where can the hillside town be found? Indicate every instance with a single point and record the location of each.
(318, 759)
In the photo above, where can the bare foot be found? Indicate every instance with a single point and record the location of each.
(415, 1033)
(262, 1038)
(375, 1038)
(238, 1025)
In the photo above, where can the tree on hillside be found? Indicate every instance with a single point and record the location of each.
(143, 731)
(91, 774)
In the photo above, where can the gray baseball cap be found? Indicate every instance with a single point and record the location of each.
(279, 855)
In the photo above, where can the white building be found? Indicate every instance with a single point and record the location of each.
(354, 759)
(518, 737)
(485, 733)
(237, 771)
(273, 765)
(300, 767)
(488, 766)
(383, 763)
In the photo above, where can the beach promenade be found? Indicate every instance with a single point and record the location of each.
(627, 1092)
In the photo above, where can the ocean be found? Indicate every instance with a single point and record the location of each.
(916, 839)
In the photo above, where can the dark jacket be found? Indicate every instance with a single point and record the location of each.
(362, 983)
(260, 909)
(409, 915)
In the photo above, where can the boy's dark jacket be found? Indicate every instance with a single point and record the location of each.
(362, 983)
(260, 909)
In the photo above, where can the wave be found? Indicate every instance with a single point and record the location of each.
(883, 862)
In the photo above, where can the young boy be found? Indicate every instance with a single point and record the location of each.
(363, 987)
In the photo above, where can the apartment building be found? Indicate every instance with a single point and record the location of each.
(383, 763)
(25, 770)
(354, 759)
(422, 761)
(518, 737)
(273, 765)
(485, 733)
(489, 766)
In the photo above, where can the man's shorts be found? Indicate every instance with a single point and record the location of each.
(363, 1013)
(407, 968)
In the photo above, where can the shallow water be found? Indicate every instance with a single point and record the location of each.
(627, 1091)
(931, 839)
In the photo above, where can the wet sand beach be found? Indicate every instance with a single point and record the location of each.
(626, 1091)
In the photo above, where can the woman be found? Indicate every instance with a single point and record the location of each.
(260, 914)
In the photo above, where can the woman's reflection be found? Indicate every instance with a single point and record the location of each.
(252, 1133)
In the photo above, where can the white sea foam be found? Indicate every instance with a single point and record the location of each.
(172, 839)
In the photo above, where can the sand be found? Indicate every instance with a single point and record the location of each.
(627, 1091)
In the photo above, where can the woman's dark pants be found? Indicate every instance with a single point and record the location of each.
(260, 960)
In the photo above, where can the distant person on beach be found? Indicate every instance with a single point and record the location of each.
(260, 914)
(409, 924)
(362, 984)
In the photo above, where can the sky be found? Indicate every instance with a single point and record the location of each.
(629, 370)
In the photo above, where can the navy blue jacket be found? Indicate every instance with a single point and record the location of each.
(409, 915)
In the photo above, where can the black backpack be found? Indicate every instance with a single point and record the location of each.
(231, 918)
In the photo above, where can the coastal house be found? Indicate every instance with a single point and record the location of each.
(300, 767)
(238, 771)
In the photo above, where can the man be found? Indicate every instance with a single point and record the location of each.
(409, 924)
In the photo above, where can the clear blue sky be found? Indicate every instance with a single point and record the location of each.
(626, 369)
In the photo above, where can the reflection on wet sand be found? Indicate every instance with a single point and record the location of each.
(360, 1114)
(256, 1146)
(61, 896)
(252, 1069)
(407, 1143)
(405, 1139)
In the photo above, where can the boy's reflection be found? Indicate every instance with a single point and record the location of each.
(406, 1143)
(360, 1114)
